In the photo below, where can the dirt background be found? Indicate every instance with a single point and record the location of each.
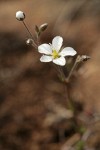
(32, 98)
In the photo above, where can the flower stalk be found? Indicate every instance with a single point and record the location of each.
(27, 29)
(72, 69)
(34, 44)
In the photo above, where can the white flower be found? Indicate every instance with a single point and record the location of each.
(53, 52)
(20, 15)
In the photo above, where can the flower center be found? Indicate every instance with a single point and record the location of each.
(55, 54)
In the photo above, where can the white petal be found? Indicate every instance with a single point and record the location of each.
(57, 43)
(46, 58)
(60, 61)
(68, 51)
(45, 49)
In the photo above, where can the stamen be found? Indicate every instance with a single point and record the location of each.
(55, 54)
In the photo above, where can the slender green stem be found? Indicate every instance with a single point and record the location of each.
(63, 78)
(34, 44)
(62, 75)
(28, 29)
(73, 68)
(70, 102)
(38, 39)
(60, 72)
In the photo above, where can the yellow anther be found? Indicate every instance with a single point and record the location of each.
(55, 54)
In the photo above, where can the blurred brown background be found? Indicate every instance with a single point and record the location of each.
(30, 90)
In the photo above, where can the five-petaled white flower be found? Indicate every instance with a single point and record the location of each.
(53, 52)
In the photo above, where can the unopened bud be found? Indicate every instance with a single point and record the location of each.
(43, 27)
(29, 42)
(20, 15)
(37, 29)
(81, 58)
(85, 57)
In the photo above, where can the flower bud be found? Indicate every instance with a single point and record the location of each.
(29, 42)
(81, 58)
(20, 15)
(43, 27)
(85, 57)
(37, 29)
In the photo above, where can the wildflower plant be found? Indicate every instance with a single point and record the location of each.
(56, 54)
